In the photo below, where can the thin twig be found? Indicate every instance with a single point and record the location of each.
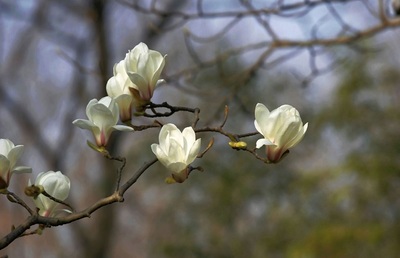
(56, 200)
(119, 171)
(172, 110)
(15, 199)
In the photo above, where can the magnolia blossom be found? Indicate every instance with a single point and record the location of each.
(9, 154)
(56, 185)
(118, 88)
(176, 150)
(103, 117)
(144, 66)
(282, 129)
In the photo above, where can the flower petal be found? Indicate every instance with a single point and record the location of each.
(84, 124)
(89, 106)
(14, 154)
(101, 116)
(5, 146)
(4, 167)
(141, 85)
(262, 118)
(262, 142)
(160, 154)
(22, 169)
(123, 128)
(177, 167)
(194, 150)
(189, 135)
(295, 140)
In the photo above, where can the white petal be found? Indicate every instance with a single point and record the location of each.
(124, 100)
(160, 154)
(89, 106)
(101, 116)
(262, 118)
(159, 63)
(123, 128)
(189, 135)
(194, 150)
(177, 136)
(40, 202)
(154, 147)
(5, 146)
(159, 83)
(273, 125)
(106, 101)
(84, 124)
(119, 68)
(288, 132)
(141, 85)
(22, 169)
(175, 152)
(258, 128)
(4, 166)
(164, 134)
(177, 166)
(298, 137)
(262, 142)
(113, 87)
(14, 154)
(39, 177)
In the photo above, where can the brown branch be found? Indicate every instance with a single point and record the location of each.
(348, 36)
(172, 110)
(136, 176)
(15, 199)
(243, 13)
(119, 171)
(56, 200)
(35, 218)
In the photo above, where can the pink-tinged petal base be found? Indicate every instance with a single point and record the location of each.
(274, 154)
(181, 176)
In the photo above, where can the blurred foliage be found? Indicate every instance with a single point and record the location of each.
(347, 208)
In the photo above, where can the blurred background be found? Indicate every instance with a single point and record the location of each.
(335, 195)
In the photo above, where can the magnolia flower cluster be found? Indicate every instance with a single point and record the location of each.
(135, 79)
(131, 87)
(282, 129)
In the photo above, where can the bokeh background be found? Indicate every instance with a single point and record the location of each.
(335, 195)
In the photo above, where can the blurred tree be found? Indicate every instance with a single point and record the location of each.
(347, 209)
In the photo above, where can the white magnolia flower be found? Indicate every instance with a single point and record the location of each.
(9, 154)
(103, 117)
(282, 129)
(56, 185)
(144, 67)
(118, 88)
(177, 150)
